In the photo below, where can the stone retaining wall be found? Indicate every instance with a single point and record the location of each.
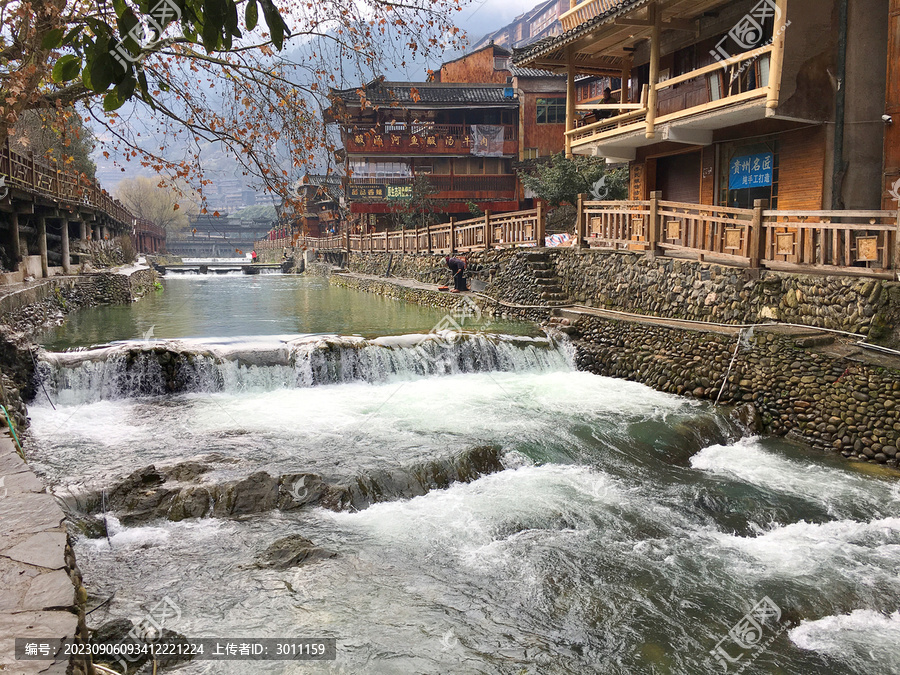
(441, 299)
(831, 402)
(671, 288)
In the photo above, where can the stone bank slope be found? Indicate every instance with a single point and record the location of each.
(43, 595)
(801, 382)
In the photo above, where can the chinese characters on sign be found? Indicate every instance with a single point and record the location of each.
(366, 192)
(751, 171)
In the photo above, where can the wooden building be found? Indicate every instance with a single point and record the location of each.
(539, 22)
(726, 102)
(462, 131)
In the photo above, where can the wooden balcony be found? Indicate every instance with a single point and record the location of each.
(421, 139)
(724, 94)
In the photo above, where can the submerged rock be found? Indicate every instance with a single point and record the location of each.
(748, 418)
(292, 551)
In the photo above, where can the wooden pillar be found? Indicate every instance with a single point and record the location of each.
(42, 245)
(579, 222)
(487, 230)
(82, 229)
(570, 99)
(653, 100)
(64, 233)
(776, 58)
(626, 75)
(15, 242)
(402, 239)
(540, 231)
(654, 227)
(428, 238)
(756, 234)
(452, 235)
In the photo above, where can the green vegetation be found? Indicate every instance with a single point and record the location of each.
(257, 211)
(561, 180)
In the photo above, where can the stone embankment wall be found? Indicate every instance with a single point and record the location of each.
(26, 308)
(671, 288)
(831, 402)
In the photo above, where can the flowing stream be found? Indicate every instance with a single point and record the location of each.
(621, 530)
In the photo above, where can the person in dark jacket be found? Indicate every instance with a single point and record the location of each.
(457, 265)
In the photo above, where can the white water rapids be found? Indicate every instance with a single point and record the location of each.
(628, 531)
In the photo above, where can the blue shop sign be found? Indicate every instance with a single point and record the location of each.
(751, 171)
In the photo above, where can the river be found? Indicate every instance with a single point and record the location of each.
(624, 531)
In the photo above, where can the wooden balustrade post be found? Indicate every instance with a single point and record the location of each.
(64, 247)
(347, 240)
(653, 100)
(540, 230)
(42, 245)
(402, 239)
(487, 230)
(654, 227)
(452, 235)
(428, 238)
(896, 261)
(756, 234)
(579, 222)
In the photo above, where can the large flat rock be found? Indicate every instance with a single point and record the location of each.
(31, 625)
(27, 513)
(44, 549)
(52, 590)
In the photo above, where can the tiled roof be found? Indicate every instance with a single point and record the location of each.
(518, 71)
(428, 93)
(551, 44)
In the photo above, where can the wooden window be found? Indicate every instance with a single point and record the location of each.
(551, 110)
(530, 153)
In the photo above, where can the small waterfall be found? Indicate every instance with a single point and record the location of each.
(140, 369)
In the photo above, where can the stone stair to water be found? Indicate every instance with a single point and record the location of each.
(548, 284)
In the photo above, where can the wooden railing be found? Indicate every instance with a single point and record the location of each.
(142, 226)
(842, 242)
(39, 177)
(643, 118)
(506, 230)
(585, 12)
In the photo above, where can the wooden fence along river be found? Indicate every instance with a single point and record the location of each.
(840, 242)
(837, 242)
(521, 228)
